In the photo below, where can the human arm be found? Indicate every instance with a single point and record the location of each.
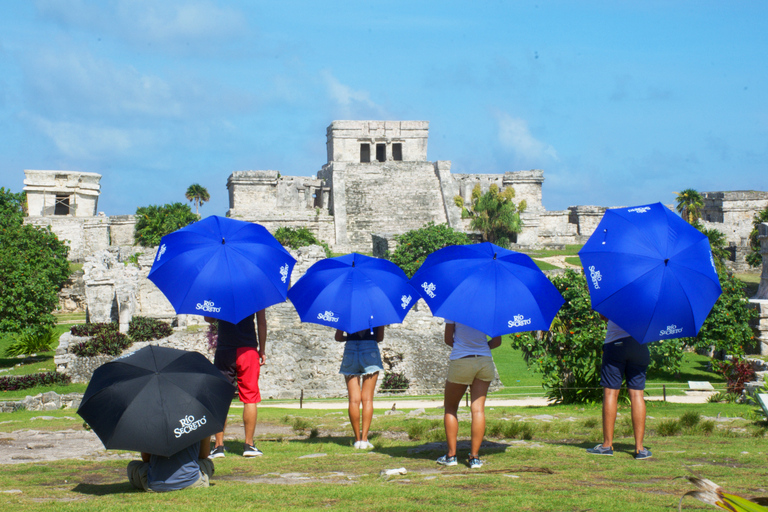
(449, 330)
(205, 448)
(494, 342)
(145, 456)
(210, 320)
(340, 336)
(261, 332)
(380, 334)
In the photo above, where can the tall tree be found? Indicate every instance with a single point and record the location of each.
(197, 194)
(154, 222)
(689, 204)
(33, 268)
(754, 258)
(496, 215)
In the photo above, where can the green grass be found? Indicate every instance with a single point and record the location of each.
(570, 250)
(543, 265)
(752, 282)
(531, 464)
(573, 260)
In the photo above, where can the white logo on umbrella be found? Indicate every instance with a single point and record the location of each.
(406, 300)
(328, 316)
(208, 306)
(641, 209)
(519, 321)
(671, 329)
(188, 424)
(595, 276)
(160, 252)
(429, 289)
(284, 272)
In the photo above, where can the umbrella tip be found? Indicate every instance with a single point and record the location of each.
(666, 261)
(494, 255)
(222, 240)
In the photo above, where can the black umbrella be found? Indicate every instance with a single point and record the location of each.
(157, 400)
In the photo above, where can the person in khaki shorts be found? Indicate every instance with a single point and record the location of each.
(470, 365)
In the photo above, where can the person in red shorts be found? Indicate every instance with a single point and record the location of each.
(239, 355)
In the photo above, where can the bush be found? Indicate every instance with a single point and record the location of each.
(668, 428)
(300, 237)
(737, 372)
(568, 356)
(415, 245)
(394, 382)
(28, 343)
(666, 355)
(106, 341)
(18, 382)
(154, 222)
(142, 328)
(690, 419)
(91, 329)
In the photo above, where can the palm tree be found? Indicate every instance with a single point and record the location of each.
(496, 216)
(689, 204)
(198, 195)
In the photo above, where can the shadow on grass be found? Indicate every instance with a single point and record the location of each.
(105, 489)
(10, 362)
(684, 376)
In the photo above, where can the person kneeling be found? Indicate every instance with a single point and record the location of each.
(187, 468)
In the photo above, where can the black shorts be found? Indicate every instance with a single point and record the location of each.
(622, 358)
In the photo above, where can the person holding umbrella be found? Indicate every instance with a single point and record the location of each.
(471, 365)
(240, 353)
(623, 357)
(188, 468)
(362, 360)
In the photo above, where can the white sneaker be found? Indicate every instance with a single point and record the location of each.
(359, 445)
(366, 445)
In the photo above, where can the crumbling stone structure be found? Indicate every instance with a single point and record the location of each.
(760, 300)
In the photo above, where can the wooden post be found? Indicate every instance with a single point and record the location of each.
(664, 390)
(301, 400)
(466, 395)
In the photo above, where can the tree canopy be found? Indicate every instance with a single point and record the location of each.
(754, 258)
(689, 204)
(415, 245)
(33, 268)
(154, 222)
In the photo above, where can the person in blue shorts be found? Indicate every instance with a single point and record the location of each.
(362, 360)
(623, 357)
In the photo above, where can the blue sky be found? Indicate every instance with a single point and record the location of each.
(620, 103)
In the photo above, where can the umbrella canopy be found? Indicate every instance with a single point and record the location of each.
(650, 272)
(222, 268)
(157, 400)
(352, 293)
(494, 290)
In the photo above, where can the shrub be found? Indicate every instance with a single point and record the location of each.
(415, 245)
(706, 427)
(105, 342)
(568, 356)
(18, 382)
(90, 329)
(668, 428)
(737, 372)
(142, 328)
(729, 398)
(30, 342)
(154, 222)
(300, 237)
(394, 382)
(690, 419)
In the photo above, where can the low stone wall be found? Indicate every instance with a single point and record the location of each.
(50, 401)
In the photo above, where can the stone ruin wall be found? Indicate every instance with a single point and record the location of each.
(300, 356)
(88, 235)
(760, 300)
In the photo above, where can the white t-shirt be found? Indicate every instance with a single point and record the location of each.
(468, 342)
(613, 332)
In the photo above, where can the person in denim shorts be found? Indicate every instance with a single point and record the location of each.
(471, 365)
(623, 357)
(362, 359)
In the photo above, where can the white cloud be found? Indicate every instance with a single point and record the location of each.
(351, 104)
(515, 136)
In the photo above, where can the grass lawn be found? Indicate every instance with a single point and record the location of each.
(535, 460)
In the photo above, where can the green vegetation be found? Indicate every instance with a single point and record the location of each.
(495, 215)
(415, 245)
(197, 195)
(532, 463)
(754, 258)
(33, 268)
(154, 222)
(300, 237)
(689, 204)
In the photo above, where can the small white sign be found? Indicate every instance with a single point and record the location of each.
(700, 386)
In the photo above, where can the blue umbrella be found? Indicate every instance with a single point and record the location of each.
(352, 293)
(494, 290)
(222, 268)
(650, 272)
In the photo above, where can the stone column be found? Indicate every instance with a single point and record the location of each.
(760, 300)
(448, 191)
(338, 191)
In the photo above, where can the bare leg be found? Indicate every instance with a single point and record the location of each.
(636, 397)
(369, 386)
(219, 437)
(610, 405)
(453, 394)
(250, 412)
(478, 391)
(353, 388)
